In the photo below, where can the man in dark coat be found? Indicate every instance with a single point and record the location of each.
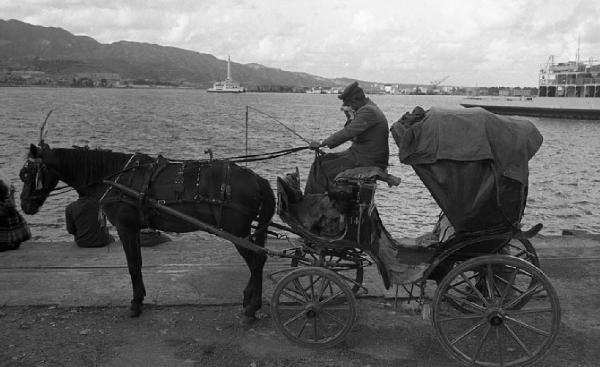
(368, 130)
(84, 224)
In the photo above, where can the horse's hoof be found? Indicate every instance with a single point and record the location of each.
(259, 315)
(246, 322)
(135, 309)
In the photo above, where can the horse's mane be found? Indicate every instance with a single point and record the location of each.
(84, 165)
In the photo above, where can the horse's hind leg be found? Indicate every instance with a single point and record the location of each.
(253, 291)
(130, 238)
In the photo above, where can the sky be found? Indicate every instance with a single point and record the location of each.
(471, 42)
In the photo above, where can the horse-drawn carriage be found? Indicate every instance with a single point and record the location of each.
(492, 305)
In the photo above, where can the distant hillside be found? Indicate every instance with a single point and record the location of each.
(56, 51)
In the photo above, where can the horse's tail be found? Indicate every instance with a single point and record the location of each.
(266, 211)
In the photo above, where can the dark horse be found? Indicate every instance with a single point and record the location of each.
(218, 193)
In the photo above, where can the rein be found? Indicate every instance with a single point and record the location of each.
(235, 159)
(264, 156)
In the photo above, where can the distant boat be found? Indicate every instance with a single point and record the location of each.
(227, 85)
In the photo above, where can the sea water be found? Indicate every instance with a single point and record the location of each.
(184, 123)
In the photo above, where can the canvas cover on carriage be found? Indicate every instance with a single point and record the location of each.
(474, 163)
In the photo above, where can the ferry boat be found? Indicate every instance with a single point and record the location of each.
(227, 85)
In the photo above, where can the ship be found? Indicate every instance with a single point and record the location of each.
(227, 85)
(568, 90)
(570, 79)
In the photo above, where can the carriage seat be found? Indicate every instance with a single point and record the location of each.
(367, 174)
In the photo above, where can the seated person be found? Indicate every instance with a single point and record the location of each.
(13, 227)
(83, 222)
(367, 128)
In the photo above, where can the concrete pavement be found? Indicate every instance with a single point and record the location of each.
(206, 272)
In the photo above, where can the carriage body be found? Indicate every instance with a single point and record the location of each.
(493, 306)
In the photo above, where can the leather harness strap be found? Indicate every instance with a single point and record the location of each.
(150, 171)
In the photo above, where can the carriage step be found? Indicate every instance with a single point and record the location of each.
(531, 232)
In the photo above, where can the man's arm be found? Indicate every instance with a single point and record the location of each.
(365, 118)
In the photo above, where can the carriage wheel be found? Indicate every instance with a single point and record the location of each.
(348, 265)
(313, 307)
(496, 332)
(521, 248)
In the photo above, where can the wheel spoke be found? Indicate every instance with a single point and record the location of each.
(529, 293)
(500, 346)
(311, 286)
(489, 278)
(294, 318)
(333, 317)
(327, 300)
(291, 307)
(302, 328)
(529, 327)
(462, 317)
(465, 302)
(325, 283)
(481, 342)
(315, 329)
(293, 296)
(528, 311)
(325, 329)
(470, 331)
(509, 285)
(474, 288)
(516, 338)
(300, 289)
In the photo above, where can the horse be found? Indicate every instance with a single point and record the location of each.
(216, 192)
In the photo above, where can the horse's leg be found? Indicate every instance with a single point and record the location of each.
(129, 233)
(253, 291)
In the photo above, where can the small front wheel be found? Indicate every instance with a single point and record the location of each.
(313, 307)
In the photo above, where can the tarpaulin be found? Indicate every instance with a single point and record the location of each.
(474, 163)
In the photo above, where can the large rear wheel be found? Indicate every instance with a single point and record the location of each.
(512, 321)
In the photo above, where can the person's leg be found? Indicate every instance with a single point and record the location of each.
(324, 169)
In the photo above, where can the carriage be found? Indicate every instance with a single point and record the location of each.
(492, 305)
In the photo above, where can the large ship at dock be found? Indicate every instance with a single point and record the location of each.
(570, 79)
(569, 90)
(227, 85)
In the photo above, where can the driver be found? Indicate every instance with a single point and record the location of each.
(367, 128)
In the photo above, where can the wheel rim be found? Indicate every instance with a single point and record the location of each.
(513, 320)
(313, 307)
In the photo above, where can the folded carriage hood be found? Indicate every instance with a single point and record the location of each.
(470, 134)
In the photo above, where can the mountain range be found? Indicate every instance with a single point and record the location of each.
(56, 51)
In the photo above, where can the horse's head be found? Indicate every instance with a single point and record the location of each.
(38, 180)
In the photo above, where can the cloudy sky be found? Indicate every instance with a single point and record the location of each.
(473, 42)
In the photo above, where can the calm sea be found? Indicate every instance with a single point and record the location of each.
(182, 124)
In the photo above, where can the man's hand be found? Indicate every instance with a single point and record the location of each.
(314, 145)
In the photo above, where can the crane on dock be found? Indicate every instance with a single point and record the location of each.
(435, 83)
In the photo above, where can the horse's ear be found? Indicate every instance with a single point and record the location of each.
(33, 150)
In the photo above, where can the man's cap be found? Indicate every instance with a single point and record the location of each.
(352, 92)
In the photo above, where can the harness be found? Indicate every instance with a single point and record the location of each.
(142, 175)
